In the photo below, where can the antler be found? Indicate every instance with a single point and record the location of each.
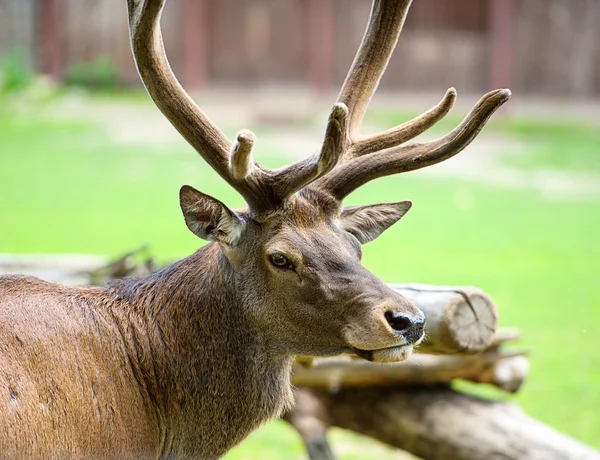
(262, 188)
(382, 154)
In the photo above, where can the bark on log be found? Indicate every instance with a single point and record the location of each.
(442, 424)
(504, 369)
(308, 418)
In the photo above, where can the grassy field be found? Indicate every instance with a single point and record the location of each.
(66, 187)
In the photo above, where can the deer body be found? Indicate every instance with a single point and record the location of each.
(186, 362)
(151, 367)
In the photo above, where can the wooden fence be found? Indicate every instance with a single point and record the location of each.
(548, 47)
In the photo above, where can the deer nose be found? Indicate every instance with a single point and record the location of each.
(411, 328)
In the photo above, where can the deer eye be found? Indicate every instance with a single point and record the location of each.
(281, 261)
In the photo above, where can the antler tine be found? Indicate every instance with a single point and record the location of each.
(241, 163)
(179, 108)
(383, 154)
(379, 40)
(165, 90)
(294, 177)
(378, 43)
(357, 172)
(263, 189)
(404, 132)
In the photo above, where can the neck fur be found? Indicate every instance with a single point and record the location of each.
(211, 376)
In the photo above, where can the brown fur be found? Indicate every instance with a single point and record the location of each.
(187, 361)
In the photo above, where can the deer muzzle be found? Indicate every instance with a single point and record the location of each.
(388, 333)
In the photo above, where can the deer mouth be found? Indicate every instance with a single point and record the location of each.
(386, 355)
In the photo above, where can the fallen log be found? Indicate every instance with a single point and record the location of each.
(309, 418)
(433, 424)
(504, 369)
(409, 405)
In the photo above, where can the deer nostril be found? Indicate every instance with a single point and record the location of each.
(398, 321)
(416, 331)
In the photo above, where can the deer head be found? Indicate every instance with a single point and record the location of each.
(293, 253)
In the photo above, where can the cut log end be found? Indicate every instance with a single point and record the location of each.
(471, 323)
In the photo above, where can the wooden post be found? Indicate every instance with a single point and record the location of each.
(51, 46)
(196, 43)
(433, 424)
(500, 18)
(321, 20)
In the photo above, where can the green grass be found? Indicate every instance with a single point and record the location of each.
(558, 145)
(66, 187)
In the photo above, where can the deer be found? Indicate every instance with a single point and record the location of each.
(187, 361)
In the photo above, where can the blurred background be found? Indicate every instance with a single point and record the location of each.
(537, 47)
(88, 165)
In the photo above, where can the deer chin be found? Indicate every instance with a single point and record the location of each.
(386, 355)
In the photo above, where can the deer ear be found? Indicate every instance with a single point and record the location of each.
(208, 218)
(368, 222)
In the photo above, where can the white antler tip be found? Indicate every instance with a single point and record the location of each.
(246, 136)
(339, 110)
(499, 96)
(240, 158)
